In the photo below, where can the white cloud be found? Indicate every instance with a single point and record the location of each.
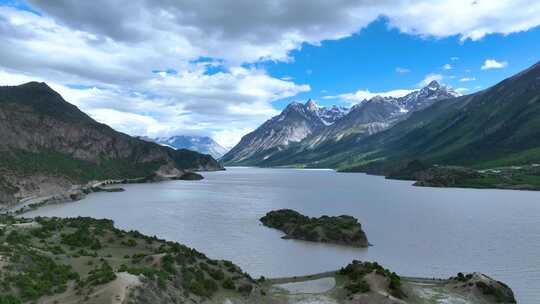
(402, 70)
(468, 19)
(187, 103)
(454, 58)
(361, 95)
(274, 27)
(462, 90)
(114, 46)
(429, 78)
(465, 79)
(493, 64)
(447, 66)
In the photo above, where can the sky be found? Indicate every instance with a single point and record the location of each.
(220, 68)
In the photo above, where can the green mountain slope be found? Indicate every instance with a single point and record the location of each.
(47, 143)
(496, 127)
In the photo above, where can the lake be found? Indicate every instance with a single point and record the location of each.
(416, 231)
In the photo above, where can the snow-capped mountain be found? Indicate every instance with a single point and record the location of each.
(201, 144)
(310, 125)
(426, 96)
(329, 115)
(296, 122)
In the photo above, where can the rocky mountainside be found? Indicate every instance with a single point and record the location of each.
(48, 144)
(379, 113)
(425, 97)
(329, 115)
(495, 127)
(296, 122)
(201, 144)
(315, 126)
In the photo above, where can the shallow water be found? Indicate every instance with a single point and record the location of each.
(416, 231)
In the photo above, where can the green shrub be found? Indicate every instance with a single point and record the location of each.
(228, 284)
(360, 286)
(101, 275)
(216, 274)
(245, 288)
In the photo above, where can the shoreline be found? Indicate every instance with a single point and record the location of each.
(414, 183)
(152, 265)
(79, 192)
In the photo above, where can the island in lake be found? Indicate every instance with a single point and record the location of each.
(342, 230)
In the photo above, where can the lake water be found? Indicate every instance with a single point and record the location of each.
(416, 231)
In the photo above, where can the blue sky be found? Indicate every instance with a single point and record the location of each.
(162, 68)
(368, 60)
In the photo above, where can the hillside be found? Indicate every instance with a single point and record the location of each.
(306, 128)
(296, 122)
(49, 145)
(495, 127)
(85, 260)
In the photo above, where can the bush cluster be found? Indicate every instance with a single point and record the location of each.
(357, 270)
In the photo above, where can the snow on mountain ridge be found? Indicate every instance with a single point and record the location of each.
(201, 144)
(310, 124)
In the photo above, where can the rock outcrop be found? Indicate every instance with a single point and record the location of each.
(343, 230)
(480, 286)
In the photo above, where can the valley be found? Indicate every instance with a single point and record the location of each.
(269, 152)
(493, 129)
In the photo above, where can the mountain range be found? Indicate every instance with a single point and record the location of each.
(49, 145)
(499, 126)
(201, 144)
(307, 126)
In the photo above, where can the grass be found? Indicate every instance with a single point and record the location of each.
(525, 157)
(54, 254)
(58, 164)
(493, 181)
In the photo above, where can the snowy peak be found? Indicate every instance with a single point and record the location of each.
(329, 115)
(433, 85)
(311, 105)
(317, 114)
(309, 124)
(201, 144)
(426, 96)
(435, 89)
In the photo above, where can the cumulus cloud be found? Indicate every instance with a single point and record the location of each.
(112, 48)
(120, 89)
(250, 30)
(466, 79)
(361, 95)
(468, 19)
(188, 103)
(490, 64)
(429, 78)
(447, 66)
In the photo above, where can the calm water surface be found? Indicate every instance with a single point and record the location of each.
(415, 231)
